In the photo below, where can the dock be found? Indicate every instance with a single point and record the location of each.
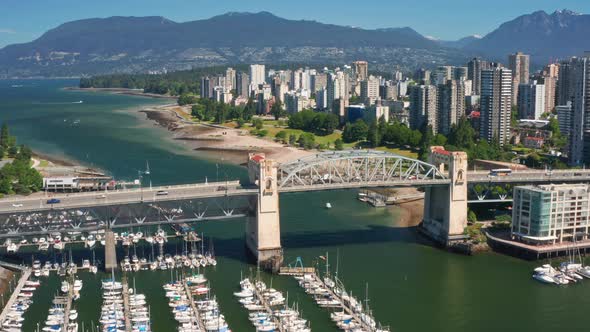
(295, 271)
(69, 300)
(268, 309)
(196, 312)
(345, 305)
(26, 273)
(126, 308)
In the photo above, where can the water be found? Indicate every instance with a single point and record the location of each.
(412, 285)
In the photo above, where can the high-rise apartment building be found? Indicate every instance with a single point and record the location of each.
(206, 88)
(230, 79)
(550, 84)
(257, 75)
(495, 104)
(370, 90)
(451, 104)
(474, 68)
(531, 101)
(519, 64)
(423, 107)
(360, 70)
(242, 83)
(565, 118)
(579, 78)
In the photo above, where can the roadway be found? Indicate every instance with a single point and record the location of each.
(39, 202)
(531, 176)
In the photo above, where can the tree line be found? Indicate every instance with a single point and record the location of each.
(17, 177)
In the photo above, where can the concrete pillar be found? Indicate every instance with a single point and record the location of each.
(110, 252)
(445, 207)
(263, 231)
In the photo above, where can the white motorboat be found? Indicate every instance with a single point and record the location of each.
(328, 205)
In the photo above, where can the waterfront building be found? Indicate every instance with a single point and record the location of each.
(519, 64)
(495, 104)
(423, 107)
(549, 214)
(531, 101)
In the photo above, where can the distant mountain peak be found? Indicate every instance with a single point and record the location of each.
(566, 12)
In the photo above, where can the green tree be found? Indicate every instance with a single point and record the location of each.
(292, 139)
(338, 144)
(257, 123)
(187, 99)
(373, 135)
(240, 122)
(471, 217)
(277, 110)
(4, 135)
(281, 136)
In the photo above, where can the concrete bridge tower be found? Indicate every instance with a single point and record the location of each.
(263, 231)
(445, 207)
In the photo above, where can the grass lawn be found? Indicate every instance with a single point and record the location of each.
(272, 131)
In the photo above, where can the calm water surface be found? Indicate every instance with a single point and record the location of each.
(412, 286)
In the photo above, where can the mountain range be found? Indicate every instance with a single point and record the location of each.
(141, 44)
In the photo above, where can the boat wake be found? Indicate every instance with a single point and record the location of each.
(59, 103)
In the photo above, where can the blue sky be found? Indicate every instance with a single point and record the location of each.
(25, 20)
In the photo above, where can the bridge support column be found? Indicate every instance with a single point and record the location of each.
(445, 208)
(263, 231)
(110, 252)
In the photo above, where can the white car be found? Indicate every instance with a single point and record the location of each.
(17, 205)
(101, 196)
(162, 193)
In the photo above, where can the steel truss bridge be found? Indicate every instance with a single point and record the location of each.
(356, 169)
(225, 200)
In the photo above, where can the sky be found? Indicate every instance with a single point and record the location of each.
(24, 20)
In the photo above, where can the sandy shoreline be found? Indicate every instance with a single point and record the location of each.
(224, 143)
(122, 91)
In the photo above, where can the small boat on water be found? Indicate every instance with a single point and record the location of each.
(328, 205)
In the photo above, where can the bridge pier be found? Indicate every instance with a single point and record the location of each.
(110, 252)
(263, 230)
(445, 207)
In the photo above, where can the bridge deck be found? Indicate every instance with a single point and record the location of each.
(39, 202)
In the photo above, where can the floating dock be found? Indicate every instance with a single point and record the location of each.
(26, 273)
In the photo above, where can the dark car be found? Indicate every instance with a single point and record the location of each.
(53, 201)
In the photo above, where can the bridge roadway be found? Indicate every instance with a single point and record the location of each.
(233, 188)
(125, 196)
(531, 176)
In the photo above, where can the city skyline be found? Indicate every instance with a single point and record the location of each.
(430, 18)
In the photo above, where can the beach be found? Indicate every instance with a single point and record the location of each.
(220, 142)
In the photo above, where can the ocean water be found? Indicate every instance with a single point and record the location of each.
(412, 286)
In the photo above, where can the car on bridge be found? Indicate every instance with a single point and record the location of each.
(53, 201)
(17, 204)
(162, 193)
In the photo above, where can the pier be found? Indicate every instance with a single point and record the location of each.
(110, 251)
(26, 273)
(191, 299)
(126, 308)
(68, 304)
(268, 309)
